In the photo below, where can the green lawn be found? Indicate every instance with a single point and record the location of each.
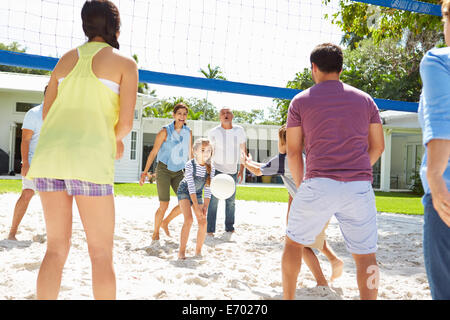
(396, 202)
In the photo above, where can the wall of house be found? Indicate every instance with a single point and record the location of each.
(9, 116)
(127, 169)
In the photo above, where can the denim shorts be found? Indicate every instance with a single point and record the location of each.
(183, 193)
(352, 203)
(73, 187)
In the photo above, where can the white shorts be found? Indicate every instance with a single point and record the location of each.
(290, 185)
(28, 184)
(352, 203)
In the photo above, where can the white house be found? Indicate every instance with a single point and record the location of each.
(21, 92)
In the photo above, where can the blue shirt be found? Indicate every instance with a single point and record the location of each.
(434, 105)
(33, 121)
(174, 152)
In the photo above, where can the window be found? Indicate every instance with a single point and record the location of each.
(133, 145)
(25, 106)
(136, 114)
(414, 153)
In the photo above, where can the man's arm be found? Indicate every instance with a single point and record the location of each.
(438, 153)
(294, 143)
(25, 149)
(255, 169)
(376, 142)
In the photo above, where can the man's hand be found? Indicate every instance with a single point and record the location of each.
(245, 158)
(441, 202)
(437, 160)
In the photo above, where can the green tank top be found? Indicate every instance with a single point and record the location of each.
(77, 138)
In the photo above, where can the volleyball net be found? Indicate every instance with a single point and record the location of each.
(258, 45)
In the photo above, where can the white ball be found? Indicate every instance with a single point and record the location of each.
(222, 186)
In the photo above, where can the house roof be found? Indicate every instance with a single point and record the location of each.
(400, 119)
(22, 82)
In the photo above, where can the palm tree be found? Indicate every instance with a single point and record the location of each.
(162, 108)
(212, 73)
(142, 86)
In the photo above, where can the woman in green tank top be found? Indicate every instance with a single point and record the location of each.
(85, 120)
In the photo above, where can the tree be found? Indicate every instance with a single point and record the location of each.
(16, 47)
(399, 39)
(163, 108)
(203, 109)
(143, 86)
(383, 70)
(255, 116)
(418, 31)
(384, 47)
(213, 73)
(303, 80)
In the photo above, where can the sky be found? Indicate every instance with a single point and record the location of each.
(254, 41)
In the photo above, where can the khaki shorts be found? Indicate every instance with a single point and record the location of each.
(320, 239)
(166, 179)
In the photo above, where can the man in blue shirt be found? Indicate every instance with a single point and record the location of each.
(434, 117)
(31, 129)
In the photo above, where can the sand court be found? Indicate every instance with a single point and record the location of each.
(244, 265)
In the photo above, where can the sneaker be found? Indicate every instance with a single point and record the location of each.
(155, 243)
(209, 238)
(227, 235)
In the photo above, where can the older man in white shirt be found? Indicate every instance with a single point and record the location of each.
(229, 142)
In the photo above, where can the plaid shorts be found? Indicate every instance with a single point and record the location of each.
(73, 187)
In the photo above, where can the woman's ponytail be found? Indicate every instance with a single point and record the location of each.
(101, 18)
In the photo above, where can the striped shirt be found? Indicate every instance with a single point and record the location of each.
(200, 171)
